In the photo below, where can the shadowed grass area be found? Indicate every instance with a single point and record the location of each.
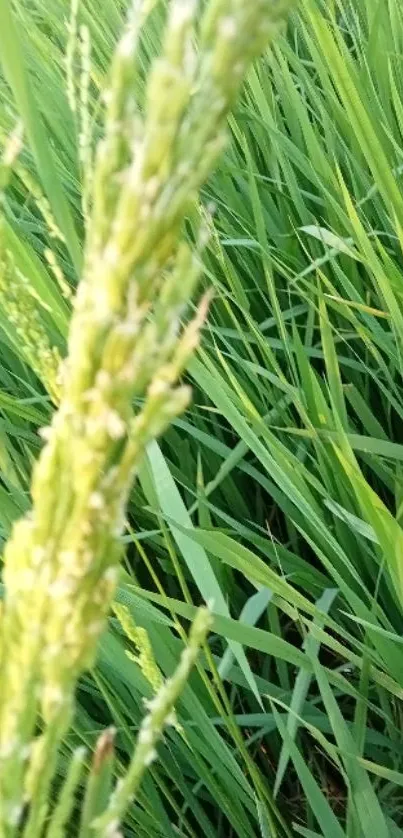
(279, 494)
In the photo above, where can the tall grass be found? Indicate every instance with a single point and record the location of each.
(279, 494)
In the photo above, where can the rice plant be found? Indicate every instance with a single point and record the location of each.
(126, 343)
(277, 496)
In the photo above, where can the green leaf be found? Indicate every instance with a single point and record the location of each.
(195, 557)
(12, 58)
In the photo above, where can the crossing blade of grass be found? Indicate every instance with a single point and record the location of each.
(301, 688)
(315, 797)
(196, 559)
(366, 804)
(250, 614)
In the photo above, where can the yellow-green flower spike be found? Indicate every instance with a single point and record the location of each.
(126, 340)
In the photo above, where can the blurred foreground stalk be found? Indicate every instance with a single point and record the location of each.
(126, 343)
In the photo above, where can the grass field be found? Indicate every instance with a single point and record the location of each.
(279, 494)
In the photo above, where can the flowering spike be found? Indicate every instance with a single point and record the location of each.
(126, 342)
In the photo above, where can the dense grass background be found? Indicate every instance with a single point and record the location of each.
(280, 494)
